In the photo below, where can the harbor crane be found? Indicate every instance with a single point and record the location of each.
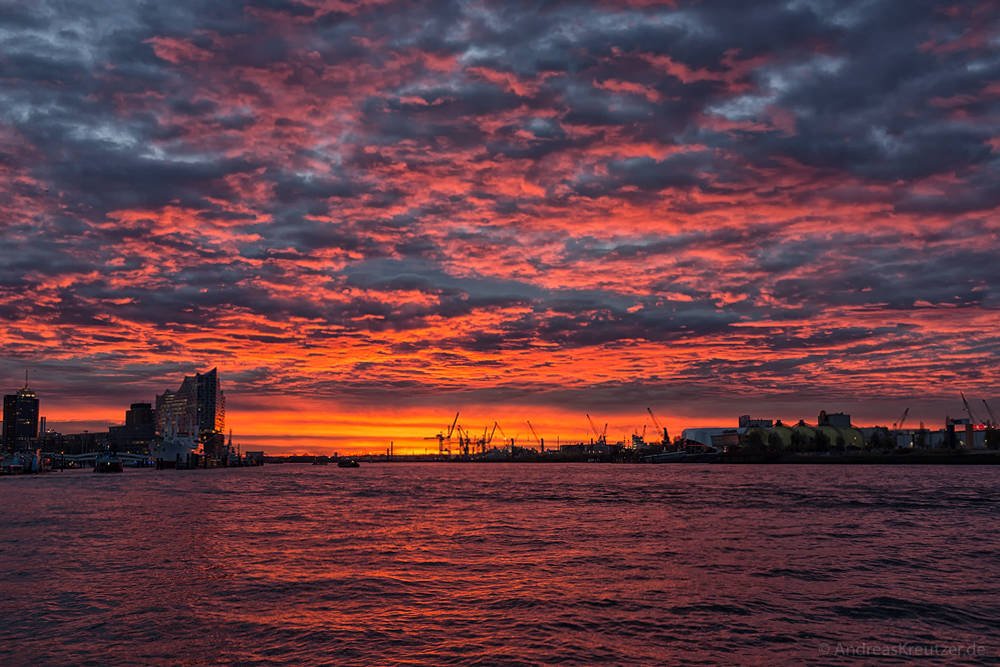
(898, 426)
(464, 440)
(506, 440)
(989, 411)
(481, 442)
(441, 437)
(496, 425)
(968, 410)
(541, 443)
(602, 436)
(661, 429)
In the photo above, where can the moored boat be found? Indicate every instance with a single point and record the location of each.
(108, 463)
(348, 463)
(689, 452)
(12, 465)
(174, 450)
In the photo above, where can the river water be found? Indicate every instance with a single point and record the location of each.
(501, 564)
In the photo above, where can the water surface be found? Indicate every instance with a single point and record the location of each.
(500, 564)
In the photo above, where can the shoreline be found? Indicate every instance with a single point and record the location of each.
(903, 457)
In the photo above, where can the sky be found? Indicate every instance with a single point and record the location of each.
(369, 215)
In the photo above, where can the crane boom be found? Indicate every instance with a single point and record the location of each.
(968, 410)
(902, 420)
(989, 411)
(659, 427)
(593, 426)
(656, 423)
(454, 422)
(537, 439)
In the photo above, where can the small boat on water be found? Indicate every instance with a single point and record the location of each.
(348, 463)
(108, 463)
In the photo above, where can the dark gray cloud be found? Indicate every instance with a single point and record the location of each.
(507, 176)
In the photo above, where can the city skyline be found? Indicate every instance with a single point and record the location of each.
(370, 215)
(192, 409)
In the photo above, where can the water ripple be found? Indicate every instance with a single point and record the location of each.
(495, 564)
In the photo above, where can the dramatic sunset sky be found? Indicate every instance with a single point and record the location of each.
(372, 214)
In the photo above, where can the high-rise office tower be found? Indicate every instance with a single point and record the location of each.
(20, 418)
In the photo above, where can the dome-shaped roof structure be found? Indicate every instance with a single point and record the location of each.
(805, 431)
(782, 433)
(853, 438)
(832, 434)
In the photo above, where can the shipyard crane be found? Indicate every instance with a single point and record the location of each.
(661, 429)
(463, 440)
(467, 444)
(989, 411)
(898, 426)
(602, 436)
(441, 437)
(486, 438)
(506, 440)
(968, 410)
(481, 443)
(537, 439)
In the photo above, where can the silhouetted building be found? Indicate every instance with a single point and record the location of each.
(74, 443)
(726, 440)
(703, 434)
(176, 411)
(748, 422)
(211, 402)
(834, 419)
(20, 418)
(138, 431)
(141, 416)
(197, 408)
